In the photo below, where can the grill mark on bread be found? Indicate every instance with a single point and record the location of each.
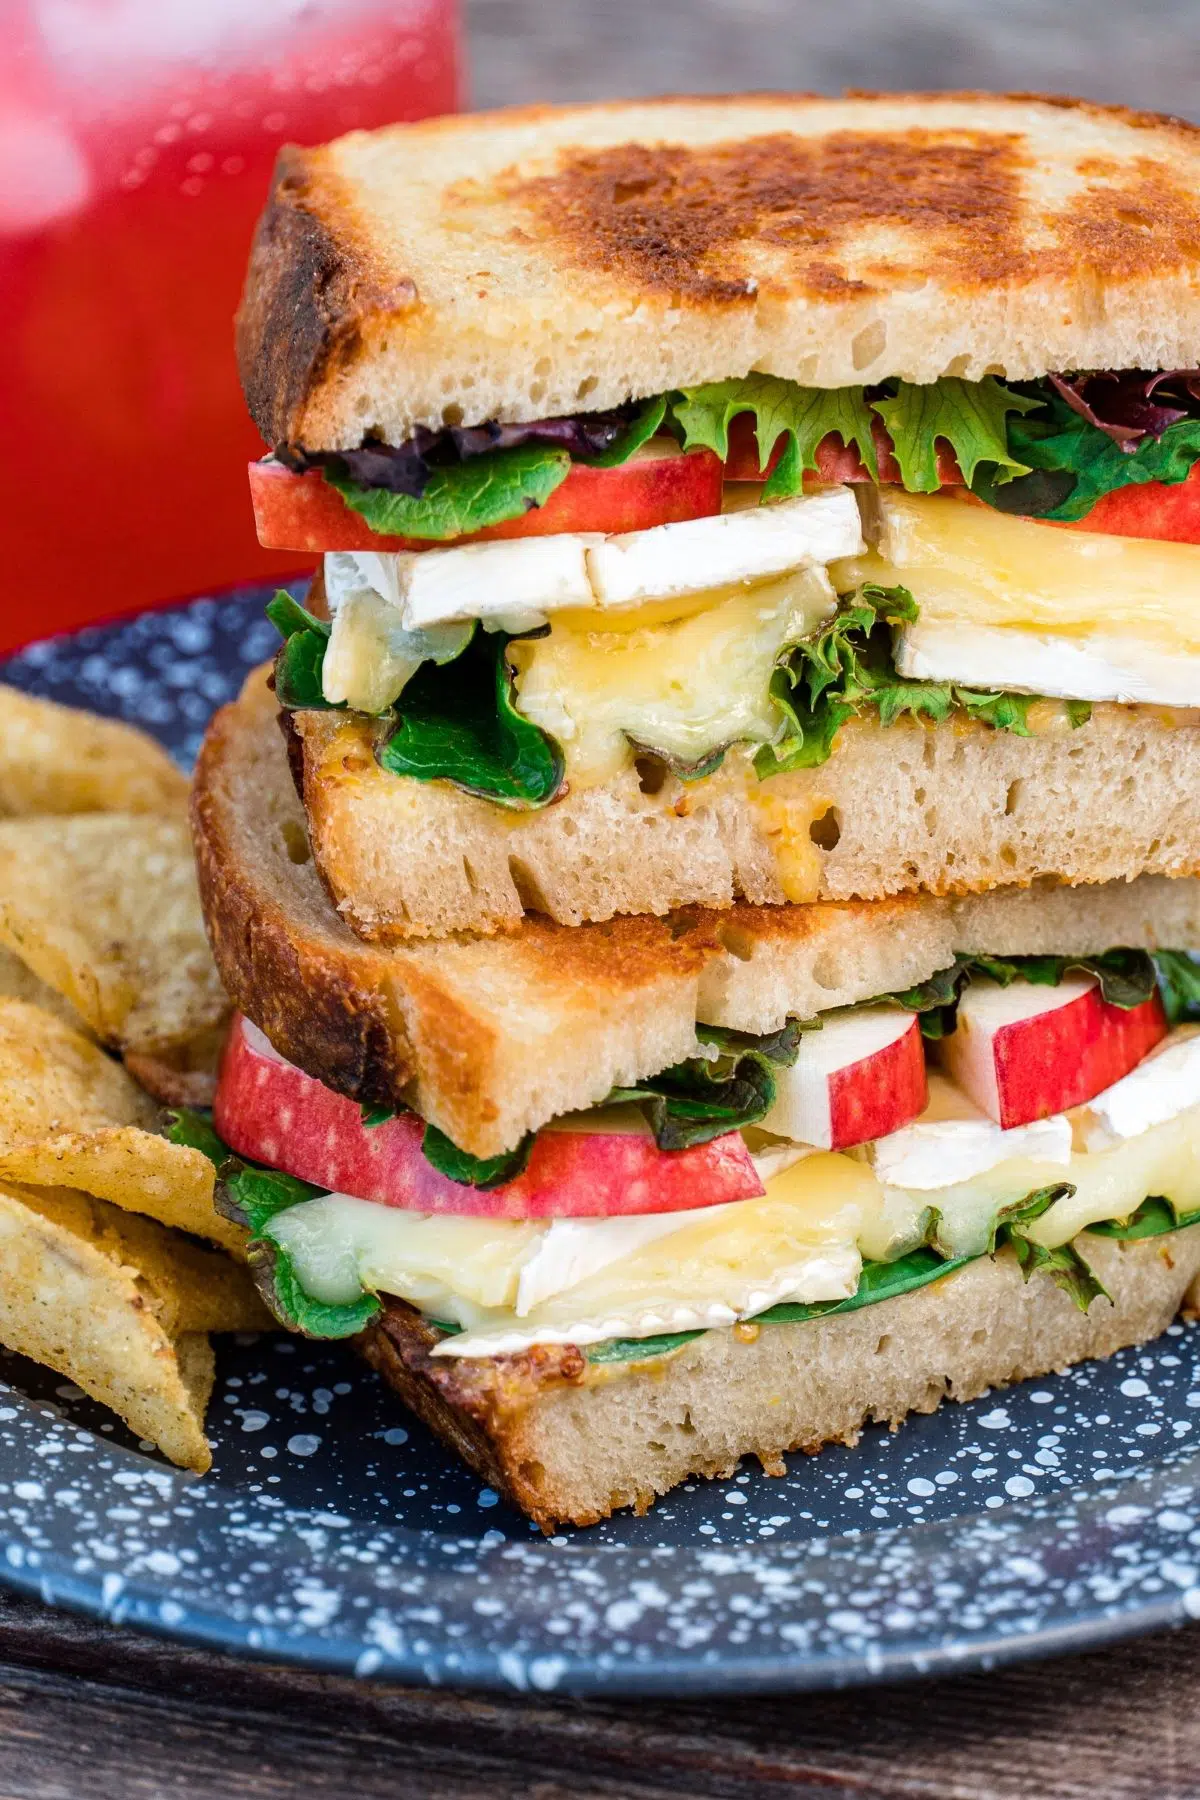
(685, 221)
(1128, 227)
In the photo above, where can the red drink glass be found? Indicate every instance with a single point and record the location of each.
(136, 144)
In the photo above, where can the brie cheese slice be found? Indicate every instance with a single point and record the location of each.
(1097, 666)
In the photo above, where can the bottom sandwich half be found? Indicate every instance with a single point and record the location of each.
(614, 1205)
(571, 1440)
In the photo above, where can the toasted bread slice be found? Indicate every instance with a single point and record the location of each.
(952, 808)
(571, 1441)
(491, 1037)
(516, 265)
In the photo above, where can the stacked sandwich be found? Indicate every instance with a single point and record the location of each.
(711, 939)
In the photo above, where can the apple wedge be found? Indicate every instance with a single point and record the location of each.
(271, 1112)
(861, 1076)
(1025, 1052)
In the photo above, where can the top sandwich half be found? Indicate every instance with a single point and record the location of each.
(775, 498)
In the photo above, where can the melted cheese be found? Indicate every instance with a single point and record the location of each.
(967, 565)
(510, 1284)
(686, 688)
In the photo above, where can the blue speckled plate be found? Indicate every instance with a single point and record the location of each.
(335, 1531)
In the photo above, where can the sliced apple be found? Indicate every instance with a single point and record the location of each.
(656, 486)
(859, 1077)
(1169, 511)
(1025, 1052)
(268, 1110)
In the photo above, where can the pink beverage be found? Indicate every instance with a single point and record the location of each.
(136, 144)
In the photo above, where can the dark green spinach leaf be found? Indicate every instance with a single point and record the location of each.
(458, 722)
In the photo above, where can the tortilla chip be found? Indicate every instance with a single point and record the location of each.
(121, 1307)
(104, 908)
(56, 759)
(18, 982)
(70, 1116)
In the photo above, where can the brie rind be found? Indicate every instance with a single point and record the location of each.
(1100, 666)
(515, 584)
(1160, 1088)
(939, 1153)
(828, 1273)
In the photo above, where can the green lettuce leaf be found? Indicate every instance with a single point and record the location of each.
(703, 1098)
(1073, 463)
(1179, 984)
(251, 1195)
(461, 497)
(878, 1281)
(475, 1171)
(1065, 1265)
(639, 432)
(1153, 1218)
(618, 1350)
(847, 665)
(1127, 979)
(457, 722)
(301, 657)
(971, 417)
(805, 416)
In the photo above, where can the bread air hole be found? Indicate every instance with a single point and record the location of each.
(651, 773)
(295, 841)
(827, 830)
(869, 344)
(828, 973)
(529, 890)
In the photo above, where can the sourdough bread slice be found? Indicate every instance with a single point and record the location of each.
(570, 1441)
(951, 809)
(491, 1037)
(523, 264)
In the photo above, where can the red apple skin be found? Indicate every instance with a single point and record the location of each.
(304, 512)
(1065, 1057)
(1170, 513)
(869, 1099)
(835, 461)
(271, 1112)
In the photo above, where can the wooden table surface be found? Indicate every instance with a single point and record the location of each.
(87, 1711)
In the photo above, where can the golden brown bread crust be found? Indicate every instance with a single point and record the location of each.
(315, 1000)
(569, 1441)
(476, 1409)
(310, 280)
(657, 209)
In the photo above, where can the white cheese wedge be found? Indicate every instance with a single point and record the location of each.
(516, 584)
(932, 1154)
(967, 565)
(571, 1250)
(743, 545)
(1097, 666)
(370, 657)
(512, 585)
(815, 1275)
(686, 687)
(1160, 1088)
